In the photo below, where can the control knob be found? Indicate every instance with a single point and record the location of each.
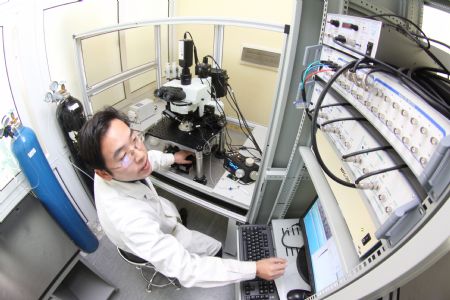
(239, 173)
(253, 175)
(249, 162)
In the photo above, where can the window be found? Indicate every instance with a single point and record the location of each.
(9, 167)
(435, 24)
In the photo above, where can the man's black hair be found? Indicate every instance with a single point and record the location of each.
(91, 134)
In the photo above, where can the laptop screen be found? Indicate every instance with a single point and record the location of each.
(322, 255)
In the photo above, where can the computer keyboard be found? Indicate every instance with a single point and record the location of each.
(255, 244)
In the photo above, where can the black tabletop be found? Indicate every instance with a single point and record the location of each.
(167, 129)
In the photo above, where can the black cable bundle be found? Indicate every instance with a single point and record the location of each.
(243, 125)
(415, 37)
(428, 95)
(433, 82)
(438, 85)
(242, 121)
(314, 126)
(352, 67)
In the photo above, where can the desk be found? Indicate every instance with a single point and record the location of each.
(167, 129)
(220, 194)
(232, 190)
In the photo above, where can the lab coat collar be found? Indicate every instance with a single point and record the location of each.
(135, 189)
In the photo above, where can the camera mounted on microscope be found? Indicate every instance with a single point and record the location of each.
(203, 69)
(185, 53)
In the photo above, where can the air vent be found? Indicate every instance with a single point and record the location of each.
(260, 57)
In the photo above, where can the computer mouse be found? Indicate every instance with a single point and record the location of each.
(298, 294)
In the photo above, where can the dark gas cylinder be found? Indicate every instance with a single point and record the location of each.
(71, 118)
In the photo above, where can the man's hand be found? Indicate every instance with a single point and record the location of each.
(180, 157)
(270, 268)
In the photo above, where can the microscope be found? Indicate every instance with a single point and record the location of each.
(194, 114)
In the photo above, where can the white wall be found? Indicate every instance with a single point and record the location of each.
(104, 55)
(254, 86)
(435, 24)
(39, 49)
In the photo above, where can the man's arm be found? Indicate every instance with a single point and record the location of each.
(144, 238)
(160, 160)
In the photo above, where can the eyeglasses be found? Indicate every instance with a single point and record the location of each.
(136, 142)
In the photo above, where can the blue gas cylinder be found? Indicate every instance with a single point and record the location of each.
(36, 168)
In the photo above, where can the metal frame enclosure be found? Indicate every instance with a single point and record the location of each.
(219, 27)
(219, 24)
(282, 165)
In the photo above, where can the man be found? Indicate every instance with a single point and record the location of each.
(137, 220)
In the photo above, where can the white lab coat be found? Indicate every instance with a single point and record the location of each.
(137, 220)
